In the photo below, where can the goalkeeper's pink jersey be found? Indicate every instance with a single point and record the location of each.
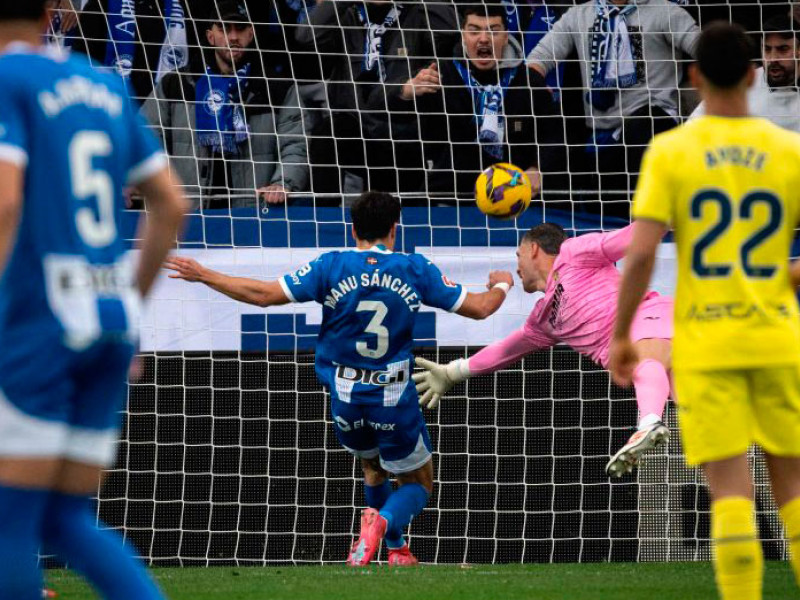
(579, 306)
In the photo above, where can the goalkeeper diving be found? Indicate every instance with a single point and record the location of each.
(580, 283)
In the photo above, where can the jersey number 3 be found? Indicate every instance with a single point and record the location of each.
(375, 327)
(96, 229)
(775, 211)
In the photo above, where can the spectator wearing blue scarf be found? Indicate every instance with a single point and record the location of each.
(482, 106)
(232, 133)
(368, 50)
(631, 55)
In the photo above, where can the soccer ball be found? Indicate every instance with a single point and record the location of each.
(503, 191)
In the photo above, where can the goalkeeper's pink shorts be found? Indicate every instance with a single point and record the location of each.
(654, 319)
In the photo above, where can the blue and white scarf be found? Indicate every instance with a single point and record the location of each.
(220, 119)
(613, 64)
(373, 40)
(488, 105)
(175, 49)
(121, 47)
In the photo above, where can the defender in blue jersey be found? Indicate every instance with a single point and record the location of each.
(370, 298)
(69, 301)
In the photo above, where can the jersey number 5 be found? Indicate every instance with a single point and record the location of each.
(775, 210)
(375, 327)
(100, 229)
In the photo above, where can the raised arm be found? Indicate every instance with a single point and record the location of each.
(243, 289)
(484, 304)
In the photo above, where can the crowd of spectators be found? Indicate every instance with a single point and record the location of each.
(279, 100)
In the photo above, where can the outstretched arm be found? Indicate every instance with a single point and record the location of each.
(436, 380)
(507, 351)
(243, 289)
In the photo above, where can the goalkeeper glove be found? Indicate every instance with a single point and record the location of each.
(436, 380)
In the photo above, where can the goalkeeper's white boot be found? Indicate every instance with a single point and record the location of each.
(643, 440)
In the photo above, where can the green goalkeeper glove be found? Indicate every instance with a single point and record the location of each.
(436, 380)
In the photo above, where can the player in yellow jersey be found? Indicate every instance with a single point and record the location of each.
(729, 185)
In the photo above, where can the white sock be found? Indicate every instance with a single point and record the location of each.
(649, 420)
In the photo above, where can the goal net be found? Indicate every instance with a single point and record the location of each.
(228, 455)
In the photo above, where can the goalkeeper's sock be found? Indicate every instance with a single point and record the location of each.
(402, 506)
(21, 513)
(790, 515)
(651, 383)
(738, 561)
(71, 532)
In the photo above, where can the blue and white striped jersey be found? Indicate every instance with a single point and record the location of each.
(370, 300)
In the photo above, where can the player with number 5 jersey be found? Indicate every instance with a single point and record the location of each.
(70, 292)
(370, 299)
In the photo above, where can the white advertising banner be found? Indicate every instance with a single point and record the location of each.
(183, 316)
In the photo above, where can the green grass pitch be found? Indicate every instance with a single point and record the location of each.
(622, 581)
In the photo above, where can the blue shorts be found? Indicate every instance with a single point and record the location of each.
(397, 434)
(65, 404)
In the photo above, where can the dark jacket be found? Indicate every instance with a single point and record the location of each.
(357, 99)
(534, 129)
(275, 153)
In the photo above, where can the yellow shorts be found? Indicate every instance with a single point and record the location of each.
(723, 412)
